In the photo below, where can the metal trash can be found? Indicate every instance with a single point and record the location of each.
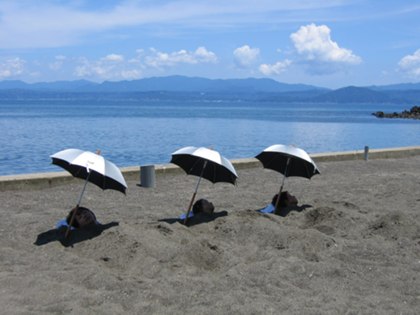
(147, 176)
(366, 153)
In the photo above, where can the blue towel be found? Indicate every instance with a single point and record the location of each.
(184, 215)
(268, 209)
(62, 223)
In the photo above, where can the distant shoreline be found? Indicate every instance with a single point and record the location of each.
(202, 88)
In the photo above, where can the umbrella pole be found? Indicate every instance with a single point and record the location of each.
(281, 187)
(195, 193)
(77, 206)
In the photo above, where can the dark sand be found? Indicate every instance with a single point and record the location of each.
(354, 248)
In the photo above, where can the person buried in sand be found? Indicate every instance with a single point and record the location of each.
(203, 206)
(286, 200)
(84, 222)
(202, 211)
(84, 218)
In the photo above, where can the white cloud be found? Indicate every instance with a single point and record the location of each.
(275, 69)
(203, 55)
(113, 58)
(110, 67)
(57, 63)
(245, 55)
(117, 67)
(11, 67)
(410, 64)
(314, 44)
(131, 74)
(160, 59)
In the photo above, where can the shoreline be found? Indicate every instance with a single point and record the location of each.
(50, 179)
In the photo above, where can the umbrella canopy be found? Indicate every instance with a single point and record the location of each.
(288, 160)
(206, 163)
(91, 166)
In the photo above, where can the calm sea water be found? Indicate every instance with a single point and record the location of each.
(139, 133)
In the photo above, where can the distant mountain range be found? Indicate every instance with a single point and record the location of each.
(181, 86)
(169, 84)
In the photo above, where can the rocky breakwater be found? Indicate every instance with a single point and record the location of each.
(413, 113)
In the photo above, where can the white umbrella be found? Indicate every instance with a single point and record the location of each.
(92, 168)
(289, 161)
(205, 163)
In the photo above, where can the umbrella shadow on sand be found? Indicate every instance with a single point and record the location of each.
(285, 211)
(76, 236)
(198, 218)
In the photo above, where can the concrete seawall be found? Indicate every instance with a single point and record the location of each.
(42, 180)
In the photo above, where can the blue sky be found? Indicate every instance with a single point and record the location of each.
(330, 43)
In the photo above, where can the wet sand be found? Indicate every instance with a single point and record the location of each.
(352, 247)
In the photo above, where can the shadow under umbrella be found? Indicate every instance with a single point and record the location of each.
(286, 210)
(198, 218)
(77, 236)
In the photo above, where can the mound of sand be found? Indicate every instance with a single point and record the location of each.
(353, 246)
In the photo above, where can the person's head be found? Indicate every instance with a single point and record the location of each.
(286, 199)
(203, 206)
(84, 217)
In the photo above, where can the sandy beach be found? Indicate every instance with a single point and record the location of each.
(352, 247)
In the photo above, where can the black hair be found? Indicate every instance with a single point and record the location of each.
(75, 223)
(198, 206)
(282, 201)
